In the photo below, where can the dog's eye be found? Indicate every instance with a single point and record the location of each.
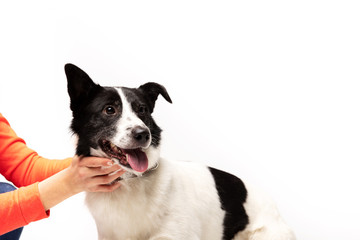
(110, 110)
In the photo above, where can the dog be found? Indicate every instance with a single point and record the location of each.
(159, 199)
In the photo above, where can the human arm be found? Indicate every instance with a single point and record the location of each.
(31, 203)
(59, 179)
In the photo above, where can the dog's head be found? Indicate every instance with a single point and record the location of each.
(115, 122)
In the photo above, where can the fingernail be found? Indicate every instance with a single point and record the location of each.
(110, 163)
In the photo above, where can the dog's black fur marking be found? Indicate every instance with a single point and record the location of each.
(80, 87)
(152, 91)
(232, 193)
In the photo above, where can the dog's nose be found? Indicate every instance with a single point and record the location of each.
(141, 134)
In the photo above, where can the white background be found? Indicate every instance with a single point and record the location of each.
(268, 90)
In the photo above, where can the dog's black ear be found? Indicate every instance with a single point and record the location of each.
(80, 85)
(152, 90)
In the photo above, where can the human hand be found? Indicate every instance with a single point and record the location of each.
(84, 174)
(93, 174)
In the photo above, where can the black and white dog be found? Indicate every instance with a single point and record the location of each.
(159, 199)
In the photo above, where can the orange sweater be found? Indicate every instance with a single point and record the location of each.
(25, 168)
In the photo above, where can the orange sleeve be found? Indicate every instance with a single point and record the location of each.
(25, 168)
(20, 207)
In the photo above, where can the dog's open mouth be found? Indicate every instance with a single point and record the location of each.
(130, 158)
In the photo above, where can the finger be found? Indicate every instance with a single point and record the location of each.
(101, 171)
(95, 162)
(116, 175)
(93, 172)
(107, 179)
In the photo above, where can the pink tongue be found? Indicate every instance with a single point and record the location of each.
(137, 159)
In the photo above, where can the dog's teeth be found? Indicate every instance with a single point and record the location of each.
(113, 147)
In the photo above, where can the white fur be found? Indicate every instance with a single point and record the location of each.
(175, 202)
(265, 222)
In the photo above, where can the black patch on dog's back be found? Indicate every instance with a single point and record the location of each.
(232, 193)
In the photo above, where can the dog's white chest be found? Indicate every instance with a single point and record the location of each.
(158, 206)
(122, 214)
